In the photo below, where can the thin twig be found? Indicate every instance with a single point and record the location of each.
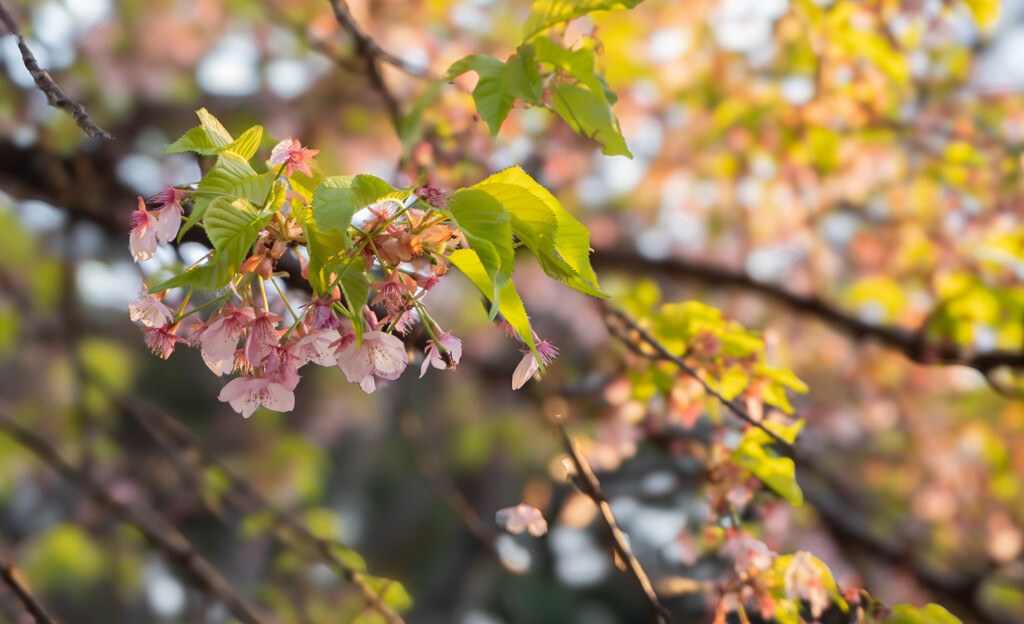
(590, 486)
(54, 94)
(162, 535)
(156, 418)
(371, 52)
(662, 353)
(12, 578)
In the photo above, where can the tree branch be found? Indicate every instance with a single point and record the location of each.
(54, 94)
(590, 486)
(913, 344)
(152, 418)
(163, 536)
(12, 578)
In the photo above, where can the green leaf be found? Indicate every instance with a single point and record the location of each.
(500, 84)
(510, 306)
(928, 614)
(207, 138)
(589, 114)
(733, 382)
(560, 243)
(231, 179)
(778, 473)
(547, 13)
(985, 11)
(228, 223)
(232, 228)
(337, 198)
(245, 146)
(487, 227)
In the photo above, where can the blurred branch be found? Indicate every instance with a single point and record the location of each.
(367, 48)
(634, 337)
(590, 486)
(153, 419)
(46, 84)
(163, 536)
(913, 344)
(12, 578)
(429, 466)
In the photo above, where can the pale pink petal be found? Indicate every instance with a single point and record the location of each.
(522, 517)
(149, 311)
(168, 222)
(241, 393)
(278, 398)
(527, 367)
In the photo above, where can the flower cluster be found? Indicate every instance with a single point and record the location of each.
(402, 241)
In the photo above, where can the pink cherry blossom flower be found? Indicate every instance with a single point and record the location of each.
(521, 518)
(245, 394)
(316, 347)
(530, 364)
(747, 552)
(405, 322)
(295, 157)
(282, 367)
(170, 211)
(321, 315)
(432, 356)
(149, 311)
(262, 337)
(218, 342)
(381, 354)
(143, 236)
(161, 340)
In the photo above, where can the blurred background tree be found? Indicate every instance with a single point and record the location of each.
(842, 178)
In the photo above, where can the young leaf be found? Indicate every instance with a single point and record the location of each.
(778, 473)
(589, 114)
(245, 146)
(560, 243)
(928, 614)
(487, 227)
(409, 127)
(510, 306)
(230, 178)
(207, 138)
(547, 13)
(500, 83)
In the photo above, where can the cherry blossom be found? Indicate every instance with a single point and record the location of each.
(381, 354)
(295, 157)
(142, 239)
(262, 337)
(219, 339)
(531, 364)
(170, 211)
(803, 581)
(316, 347)
(433, 357)
(245, 394)
(149, 311)
(522, 517)
(161, 340)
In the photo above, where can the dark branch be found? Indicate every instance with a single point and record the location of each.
(913, 344)
(590, 486)
(12, 578)
(54, 94)
(163, 536)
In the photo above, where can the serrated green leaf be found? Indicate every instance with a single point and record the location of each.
(337, 198)
(488, 229)
(213, 275)
(230, 178)
(547, 13)
(207, 138)
(245, 146)
(928, 614)
(590, 114)
(778, 473)
(500, 84)
(510, 306)
(227, 221)
(560, 243)
(580, 63)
